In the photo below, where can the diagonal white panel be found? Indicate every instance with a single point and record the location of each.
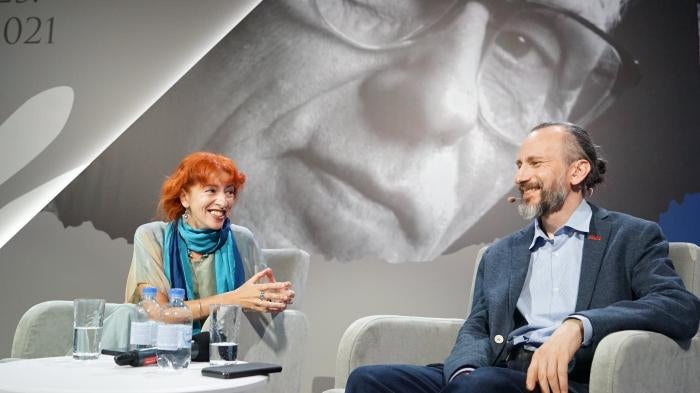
(32, 127)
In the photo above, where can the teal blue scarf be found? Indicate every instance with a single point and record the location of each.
(180, 237)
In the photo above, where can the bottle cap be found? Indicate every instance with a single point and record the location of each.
(149, 291)
(178, 293)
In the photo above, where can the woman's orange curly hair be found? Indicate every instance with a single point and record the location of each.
(197, 168)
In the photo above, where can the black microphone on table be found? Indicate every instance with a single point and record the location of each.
(145, 357)
(136, 357)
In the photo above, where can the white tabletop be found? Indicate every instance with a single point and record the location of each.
(64, 374)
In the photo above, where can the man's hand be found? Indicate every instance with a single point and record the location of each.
(550, 362)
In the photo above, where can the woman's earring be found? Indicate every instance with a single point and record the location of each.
(186, 214)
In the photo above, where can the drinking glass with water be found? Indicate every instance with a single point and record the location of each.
(225, 325)
(88, 315)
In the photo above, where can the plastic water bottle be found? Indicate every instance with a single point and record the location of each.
(173, 345)
(144, 327)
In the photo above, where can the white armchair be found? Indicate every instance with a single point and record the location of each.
(626, 361)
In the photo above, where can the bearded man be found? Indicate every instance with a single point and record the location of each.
(545, 296)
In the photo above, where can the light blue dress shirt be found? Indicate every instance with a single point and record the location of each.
(551, 286)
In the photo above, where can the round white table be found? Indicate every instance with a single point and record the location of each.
(64, 374)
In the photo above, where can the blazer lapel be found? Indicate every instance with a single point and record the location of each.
(519, 264)
(594, 246)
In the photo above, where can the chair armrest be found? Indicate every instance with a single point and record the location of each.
(641, 361)
(46, 329)
(276, 338)
(394, 339)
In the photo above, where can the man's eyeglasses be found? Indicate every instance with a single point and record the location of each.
(539, 62)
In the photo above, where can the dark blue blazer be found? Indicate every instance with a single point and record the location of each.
(627, 282)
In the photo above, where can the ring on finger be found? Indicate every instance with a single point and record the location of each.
(261, 296)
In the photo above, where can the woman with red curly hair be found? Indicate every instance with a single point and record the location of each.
(198, 249)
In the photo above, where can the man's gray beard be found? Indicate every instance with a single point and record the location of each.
(552, 201)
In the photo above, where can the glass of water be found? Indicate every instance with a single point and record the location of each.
(225, 326)
(88, 315)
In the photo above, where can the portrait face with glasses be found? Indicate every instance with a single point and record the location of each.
(387, 128)
(398, 120)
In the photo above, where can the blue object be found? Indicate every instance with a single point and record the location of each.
(681, 222)
(178, 293)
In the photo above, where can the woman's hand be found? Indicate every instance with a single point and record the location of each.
(263, 297)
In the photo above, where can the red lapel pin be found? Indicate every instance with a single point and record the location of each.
(594, 237)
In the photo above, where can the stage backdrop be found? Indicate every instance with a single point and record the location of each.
(379, 137)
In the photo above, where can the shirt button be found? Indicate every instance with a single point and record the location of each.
(498, 339)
